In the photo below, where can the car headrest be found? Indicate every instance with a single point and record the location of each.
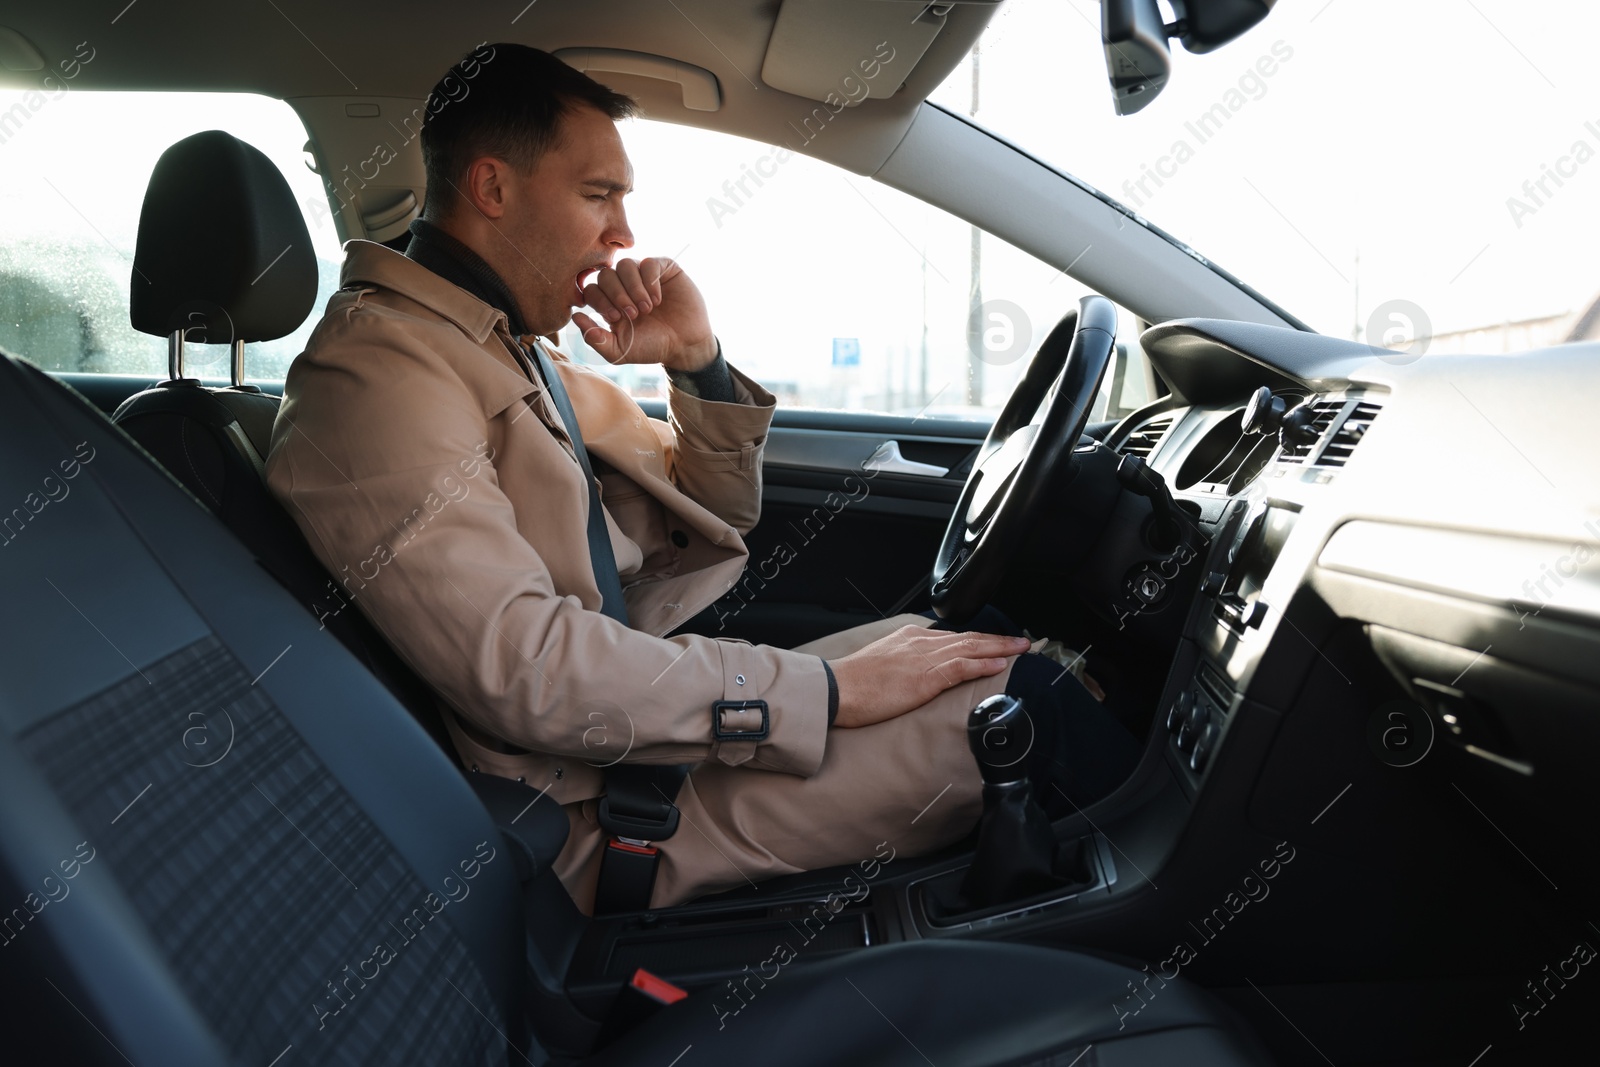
(223, 248)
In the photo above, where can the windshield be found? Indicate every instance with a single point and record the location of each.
(1387, 172)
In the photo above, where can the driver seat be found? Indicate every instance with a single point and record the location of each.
(231, 845)
(223, 256)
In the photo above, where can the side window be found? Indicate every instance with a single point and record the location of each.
(836, 292)
(76, 167)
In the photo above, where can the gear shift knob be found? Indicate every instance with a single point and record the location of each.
(1016, 845)
(1000, 734)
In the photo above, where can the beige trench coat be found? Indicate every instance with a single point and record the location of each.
(435, 482)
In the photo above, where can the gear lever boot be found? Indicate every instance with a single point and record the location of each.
(1016, 844)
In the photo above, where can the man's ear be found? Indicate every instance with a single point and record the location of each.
(487, 185)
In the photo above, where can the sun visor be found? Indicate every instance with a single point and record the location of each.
(847, 49)
(698, 86)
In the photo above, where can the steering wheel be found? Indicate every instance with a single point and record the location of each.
(1021, 456)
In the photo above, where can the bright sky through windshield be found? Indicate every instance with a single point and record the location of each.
(1415, 136)
(1343, 156)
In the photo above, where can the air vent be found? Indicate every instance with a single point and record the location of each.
(1349, 434)
(1323, 414)
(1143, 441)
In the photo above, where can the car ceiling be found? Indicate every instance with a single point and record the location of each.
(294, 49)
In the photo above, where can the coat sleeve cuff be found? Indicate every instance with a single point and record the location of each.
(712, 382)
(791, 685)
(723, 434)
(833, 694)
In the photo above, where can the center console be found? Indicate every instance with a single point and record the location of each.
(1229, 622)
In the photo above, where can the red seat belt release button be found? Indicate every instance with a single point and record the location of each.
(657, 989)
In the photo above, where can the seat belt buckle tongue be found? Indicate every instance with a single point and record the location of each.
(636, 811)
(644, 821)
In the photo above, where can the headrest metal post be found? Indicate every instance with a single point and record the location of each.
(238, 362)
(175, 354)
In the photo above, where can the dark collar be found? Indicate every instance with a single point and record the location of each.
(459, 265)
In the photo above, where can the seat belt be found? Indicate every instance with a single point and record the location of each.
(637, 809)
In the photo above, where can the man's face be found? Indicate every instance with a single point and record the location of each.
(565, 219)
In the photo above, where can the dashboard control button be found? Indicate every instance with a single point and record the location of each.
(1199, 716)
(1253, 615)
(1179, 712)
(1212, 585)
(1203, 748)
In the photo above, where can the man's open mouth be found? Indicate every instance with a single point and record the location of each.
(582, 278)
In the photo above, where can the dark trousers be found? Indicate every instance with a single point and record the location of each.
(1080, 752)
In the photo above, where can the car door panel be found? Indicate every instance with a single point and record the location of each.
(843, 540)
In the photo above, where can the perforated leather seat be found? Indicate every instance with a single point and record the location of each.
(222, 841)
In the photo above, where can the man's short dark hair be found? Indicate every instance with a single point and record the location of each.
(505, 101)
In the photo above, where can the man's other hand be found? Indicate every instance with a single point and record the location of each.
(655, 315)
(910, 667)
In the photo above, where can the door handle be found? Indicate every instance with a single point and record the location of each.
(887, 458)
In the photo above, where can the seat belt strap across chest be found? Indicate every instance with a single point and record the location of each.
(637, 808)
(601, 556)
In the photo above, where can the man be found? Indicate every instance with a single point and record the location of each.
(425, 457)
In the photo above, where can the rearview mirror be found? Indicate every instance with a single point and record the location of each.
(1138, 62)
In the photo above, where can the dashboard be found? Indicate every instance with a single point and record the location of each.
(1245, 481)
(1444, 509)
